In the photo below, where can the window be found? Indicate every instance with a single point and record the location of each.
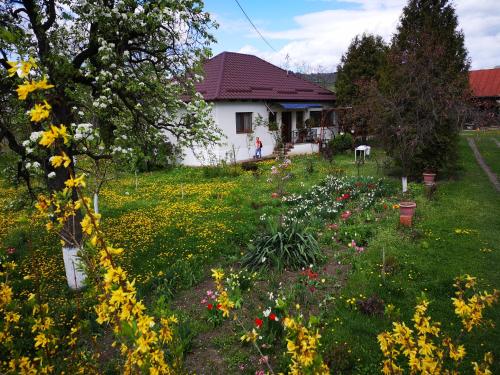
(243, 122)
(315, 117)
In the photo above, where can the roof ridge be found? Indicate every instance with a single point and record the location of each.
(290, 72)
(480, 70)
(221, 75)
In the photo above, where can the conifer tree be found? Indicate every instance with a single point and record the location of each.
(423, 88)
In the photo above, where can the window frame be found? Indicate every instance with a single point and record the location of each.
(245, 131)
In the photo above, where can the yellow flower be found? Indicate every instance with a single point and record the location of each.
(50, 136)
(217, 274)
(26, 68)
(13, 68)
(41, 340)
(24, 89)
(75, 182)
(87, 225)
(250, 336)
(40, 112)
(59, 160)
(5, 294)
(43, 85)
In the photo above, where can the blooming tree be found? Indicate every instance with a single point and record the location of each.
(123, 75)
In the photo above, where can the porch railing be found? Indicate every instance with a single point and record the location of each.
(305, 135)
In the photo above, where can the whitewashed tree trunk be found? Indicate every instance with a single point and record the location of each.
(72, 263)
(404, 181)
(96, 203)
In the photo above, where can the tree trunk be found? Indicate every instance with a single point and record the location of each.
(71, 233)
(96, 203)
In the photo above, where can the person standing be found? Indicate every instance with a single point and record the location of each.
(258, 148)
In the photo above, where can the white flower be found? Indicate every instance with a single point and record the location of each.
(26, 143)
(263, 259)
(29, 150)
(36, 165)
(267, 312)
(35, 136)
(51, 175)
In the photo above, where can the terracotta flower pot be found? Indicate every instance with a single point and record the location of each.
(275, 195)
(429, 178)
(407, 208)
(405, 220)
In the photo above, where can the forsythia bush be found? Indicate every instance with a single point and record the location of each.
(140, 339)
(425, 349)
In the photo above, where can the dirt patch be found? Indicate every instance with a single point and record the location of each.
(218, 350)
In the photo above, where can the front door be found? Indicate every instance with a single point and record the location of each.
(286, 127)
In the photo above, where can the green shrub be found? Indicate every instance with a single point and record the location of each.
(221, 170)
(341, 143)
(289, 246)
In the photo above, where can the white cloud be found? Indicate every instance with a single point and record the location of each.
(320, 38)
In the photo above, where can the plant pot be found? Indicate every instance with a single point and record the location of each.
(429, 178)
(407, 208)
(275, 195)
(405, 220)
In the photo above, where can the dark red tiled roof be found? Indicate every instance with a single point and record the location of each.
(230, 76)
(485, 82)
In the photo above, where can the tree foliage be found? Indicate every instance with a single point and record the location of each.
(363, 62)
(122, 73)
(126, 67)
(420, 104)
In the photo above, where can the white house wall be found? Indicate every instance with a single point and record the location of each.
(243, 145)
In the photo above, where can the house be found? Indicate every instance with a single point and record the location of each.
(485, 86)
(245, 91)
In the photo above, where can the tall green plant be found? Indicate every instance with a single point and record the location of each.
(419, 108)
(282, 246)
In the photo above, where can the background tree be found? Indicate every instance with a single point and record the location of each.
(423, 89)
(360, 67)
(123, 67)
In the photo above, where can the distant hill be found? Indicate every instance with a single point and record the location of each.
(326, 80)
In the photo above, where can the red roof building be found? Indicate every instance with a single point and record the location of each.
(485, 83)
(237, 76)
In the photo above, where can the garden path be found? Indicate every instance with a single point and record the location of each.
(492, 176)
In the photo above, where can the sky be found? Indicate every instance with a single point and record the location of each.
(311, 35)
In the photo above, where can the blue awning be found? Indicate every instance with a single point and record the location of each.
(300, 105)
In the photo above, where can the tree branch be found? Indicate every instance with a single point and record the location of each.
(51, 6)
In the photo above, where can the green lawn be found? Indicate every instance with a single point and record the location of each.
(175, 225)
(489, 149)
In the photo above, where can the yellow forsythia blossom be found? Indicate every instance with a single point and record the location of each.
(59, 160)
(75, 182)
(50, 136)
(40, 112)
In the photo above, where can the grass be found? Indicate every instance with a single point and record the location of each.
(428, 258)
(175, 225)
(489, 149)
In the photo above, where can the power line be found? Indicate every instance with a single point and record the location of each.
(255, 27)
